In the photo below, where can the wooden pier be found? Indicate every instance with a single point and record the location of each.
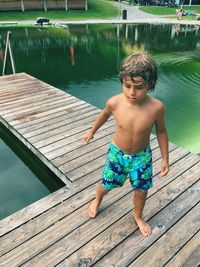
(56, 231)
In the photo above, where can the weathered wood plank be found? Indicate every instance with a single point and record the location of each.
(14, 86)
(68, 117)
(61, 211)
(170, 243)
(75, 151)
(9, 87)
(83, 233)
(33, 100)
(50, 217)
(37, 109)
(28, 213)
(40, 112)
(28, 86)
(14, 77)
(21, 93)
(36, 106)
(30, 120)
(69, 143)
(61, 155)
(62, 227)
(74, 126)
(119, 240)
(60, 124)
(31, 228)
(189, 255)
(52, 139)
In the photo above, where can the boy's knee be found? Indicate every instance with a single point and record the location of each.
(102, 189)
(140, 193)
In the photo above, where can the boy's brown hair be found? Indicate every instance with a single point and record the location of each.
(140, 64)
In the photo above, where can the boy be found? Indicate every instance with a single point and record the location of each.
(129, 154)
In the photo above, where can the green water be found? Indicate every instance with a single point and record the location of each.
(23, 178)
(84, 61)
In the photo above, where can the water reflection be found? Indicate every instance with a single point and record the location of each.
(84, 61)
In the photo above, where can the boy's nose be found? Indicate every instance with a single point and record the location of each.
(133, 91)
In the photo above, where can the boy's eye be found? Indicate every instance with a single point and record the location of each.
(139, 87)
(127, 85)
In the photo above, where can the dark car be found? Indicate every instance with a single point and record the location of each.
(42, 20)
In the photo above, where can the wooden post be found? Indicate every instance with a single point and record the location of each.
(86, 5)
(45, 5)
(66, 5)
(22, 5)
(8, 48)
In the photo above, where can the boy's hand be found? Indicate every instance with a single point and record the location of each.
(89, 135)
(164, 168)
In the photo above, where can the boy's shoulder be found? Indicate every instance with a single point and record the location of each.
(114, 100)
(157, 105)
(156, 102)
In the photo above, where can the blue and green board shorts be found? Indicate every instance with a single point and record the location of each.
(121, 165)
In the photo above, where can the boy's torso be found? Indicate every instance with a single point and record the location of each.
(133, 124)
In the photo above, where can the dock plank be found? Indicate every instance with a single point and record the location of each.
(45, 116)
(57, 128)
(84, 232)
(188, 256)
(63, 209)
(55, 150)
(38, 127)
(37, 109)
(170, 243)
(122, 239)
(55, 138)
(28, 104)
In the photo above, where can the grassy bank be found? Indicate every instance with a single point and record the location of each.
(100, 9)
(161, 10)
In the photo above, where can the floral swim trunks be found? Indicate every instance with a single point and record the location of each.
(120, 165)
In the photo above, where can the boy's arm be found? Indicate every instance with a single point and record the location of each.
(162, 137)
(100, 120)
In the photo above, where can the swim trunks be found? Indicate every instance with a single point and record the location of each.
(120, 165)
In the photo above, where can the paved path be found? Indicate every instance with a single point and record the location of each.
(133, 12)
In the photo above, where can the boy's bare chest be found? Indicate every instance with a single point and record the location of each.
(137, 120)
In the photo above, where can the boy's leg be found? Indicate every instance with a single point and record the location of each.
(139, 202)
(94, 205)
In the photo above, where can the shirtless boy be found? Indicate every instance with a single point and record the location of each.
(129, 154)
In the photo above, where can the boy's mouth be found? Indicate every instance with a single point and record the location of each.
(132, 98)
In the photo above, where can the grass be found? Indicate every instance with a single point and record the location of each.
(161, 10)
(97, 9)
(100, 9)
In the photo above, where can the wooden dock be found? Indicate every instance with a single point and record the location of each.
(56, 231)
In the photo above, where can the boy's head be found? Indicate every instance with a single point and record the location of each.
(140, 64)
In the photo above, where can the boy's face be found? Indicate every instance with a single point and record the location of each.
(135, 91)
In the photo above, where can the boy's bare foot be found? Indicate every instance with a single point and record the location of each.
(144, 227)
(93, 208)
